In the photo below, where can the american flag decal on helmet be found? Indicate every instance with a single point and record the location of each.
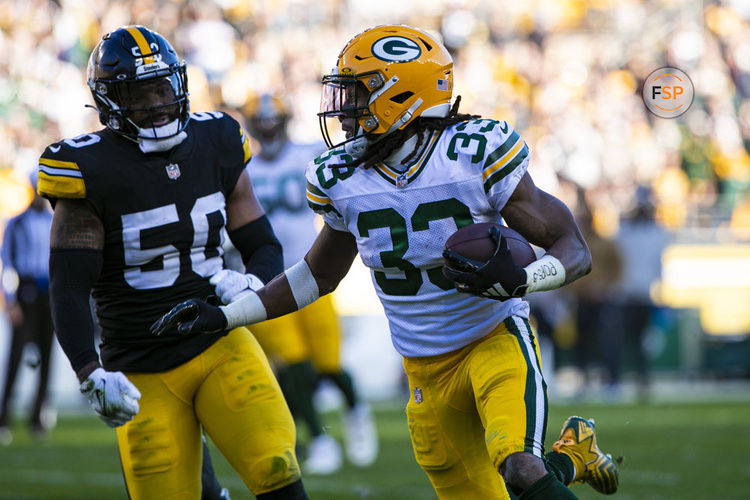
(173, 171)
(442, 84)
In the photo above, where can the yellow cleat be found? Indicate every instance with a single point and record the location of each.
(578, 441)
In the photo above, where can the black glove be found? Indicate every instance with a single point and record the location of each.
(192, 316)
(499, 278)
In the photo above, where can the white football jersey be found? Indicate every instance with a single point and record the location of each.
(401, 221)
(279, 185)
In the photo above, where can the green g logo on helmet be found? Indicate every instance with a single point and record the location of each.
(396, 49)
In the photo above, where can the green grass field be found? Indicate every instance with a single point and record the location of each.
(672, 451)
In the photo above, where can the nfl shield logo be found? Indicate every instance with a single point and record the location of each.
(417, 395)
(401, 180)
(173, 171)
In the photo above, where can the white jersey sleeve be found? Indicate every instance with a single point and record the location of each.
(505, 161)
(321, 175)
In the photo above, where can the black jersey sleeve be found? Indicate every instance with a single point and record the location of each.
(234, 148)
(65, 169)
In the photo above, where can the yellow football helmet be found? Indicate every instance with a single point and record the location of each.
(267, 118)
(385, 77)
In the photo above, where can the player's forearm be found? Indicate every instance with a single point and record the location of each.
(319, 273)
(260, 249)
(72, 272)
(289, 291)
(573, 253)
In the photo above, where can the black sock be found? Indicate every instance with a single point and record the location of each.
(286, 382)
(210, 487)
(561, 466)
(294, 491)
(547, 488)
(303, 382)
(344, 382)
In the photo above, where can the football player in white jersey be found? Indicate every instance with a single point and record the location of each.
(410, 171)
(305, 345)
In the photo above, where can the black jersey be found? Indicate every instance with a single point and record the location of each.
(162, 217)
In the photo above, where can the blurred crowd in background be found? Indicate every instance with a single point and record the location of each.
(567, 74)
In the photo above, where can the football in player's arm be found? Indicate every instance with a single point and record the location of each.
(139, 209)
(409, 173)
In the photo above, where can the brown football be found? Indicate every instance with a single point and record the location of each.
(476, 243)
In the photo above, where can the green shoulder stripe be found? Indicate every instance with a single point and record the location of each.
(499, 152)
(312, 188)
(500, 174)
(327, 208)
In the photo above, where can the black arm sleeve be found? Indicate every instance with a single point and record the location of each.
(72, 273)
(260, 250)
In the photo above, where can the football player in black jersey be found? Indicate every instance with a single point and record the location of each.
(139, 211)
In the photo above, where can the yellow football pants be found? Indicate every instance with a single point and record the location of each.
(471, 408)
(311, 333)
(228, 389)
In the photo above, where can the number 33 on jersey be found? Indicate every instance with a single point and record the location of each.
(465, 174)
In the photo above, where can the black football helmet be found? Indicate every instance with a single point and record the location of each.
(129, 64)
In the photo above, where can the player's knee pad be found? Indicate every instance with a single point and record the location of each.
(151, 448)
(273, 471)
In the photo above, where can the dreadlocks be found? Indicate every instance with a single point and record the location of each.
(380, 150)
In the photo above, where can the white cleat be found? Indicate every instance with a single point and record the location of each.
(323, 456)
(361, 436)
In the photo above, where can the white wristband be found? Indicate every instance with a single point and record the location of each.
(246, 310)
(302, 282)
(546, 273)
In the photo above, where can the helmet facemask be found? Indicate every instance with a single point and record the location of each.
(384, 79)
(345, 117)
(151, 106)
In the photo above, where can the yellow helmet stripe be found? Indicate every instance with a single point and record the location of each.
(142, 44)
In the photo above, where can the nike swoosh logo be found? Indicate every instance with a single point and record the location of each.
(504, 128)
(55, 149)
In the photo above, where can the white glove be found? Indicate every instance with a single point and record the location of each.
(112, 396)
(231, 285)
